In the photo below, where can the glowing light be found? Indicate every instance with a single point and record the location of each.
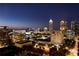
(43, 37)
(66, 48)
(62, 21)
(73, 52)
(36, 46)
(46, 48)
(45, 28)
(50, 21)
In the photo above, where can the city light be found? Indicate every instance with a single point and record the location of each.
(39, 30)
(45, 39)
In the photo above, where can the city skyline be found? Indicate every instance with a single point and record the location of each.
(39, 29)
(37, 15)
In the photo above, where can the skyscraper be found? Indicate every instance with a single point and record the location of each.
(72, 25)
(63, 26)
(50, 26)
(75, 26)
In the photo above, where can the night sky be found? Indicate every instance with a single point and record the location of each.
(37, 15)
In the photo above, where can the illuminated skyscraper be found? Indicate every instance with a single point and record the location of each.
(50, 26)
(63, 26)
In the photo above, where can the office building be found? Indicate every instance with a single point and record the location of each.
(50, 26)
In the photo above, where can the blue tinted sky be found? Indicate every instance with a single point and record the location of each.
(36, 15)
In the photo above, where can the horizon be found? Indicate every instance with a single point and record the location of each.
(37, 15)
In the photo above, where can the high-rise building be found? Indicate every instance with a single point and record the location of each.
(72, 25)
(50, 26)
(75, 26)
(63, 26)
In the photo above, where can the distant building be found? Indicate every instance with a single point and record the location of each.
(38, 29)
(4, 27)
(4, 35)
(63, 25)
(50, 26)
(75, 26)
(72, 25)
(45, 29)
(19, 31)
(4, 32)
(70, 34)
(29, 29)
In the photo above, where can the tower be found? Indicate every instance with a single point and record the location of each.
(63, 25)
(50, 26)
